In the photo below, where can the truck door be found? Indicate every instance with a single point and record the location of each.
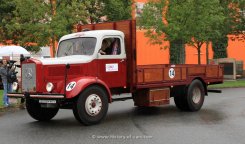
(112, 62)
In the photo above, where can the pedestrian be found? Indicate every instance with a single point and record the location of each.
(7, 87)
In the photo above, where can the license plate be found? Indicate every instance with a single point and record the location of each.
(48, 101)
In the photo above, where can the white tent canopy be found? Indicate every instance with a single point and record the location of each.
(13, 51)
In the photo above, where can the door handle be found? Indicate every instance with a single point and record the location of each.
(122, 60)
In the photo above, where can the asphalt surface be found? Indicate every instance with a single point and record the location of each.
(220, 121)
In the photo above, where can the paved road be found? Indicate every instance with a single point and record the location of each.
(221, 121)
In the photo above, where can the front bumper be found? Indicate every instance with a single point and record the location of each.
(37, 96)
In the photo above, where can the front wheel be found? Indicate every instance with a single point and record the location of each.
(35, 110)
(92, 105)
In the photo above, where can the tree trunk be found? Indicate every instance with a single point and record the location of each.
(199, 53)
(53, 9)
(53, 45)
(207, 54)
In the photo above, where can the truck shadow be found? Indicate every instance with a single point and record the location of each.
(137, 115)
(168, 114)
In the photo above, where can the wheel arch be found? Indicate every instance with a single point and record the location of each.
(84, 83)
(105, 88)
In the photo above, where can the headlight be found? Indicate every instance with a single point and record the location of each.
(15, 86)
(49, 87)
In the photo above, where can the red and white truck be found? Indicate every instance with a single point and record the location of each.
(83, 79)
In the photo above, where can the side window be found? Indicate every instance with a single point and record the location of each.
(110, 46)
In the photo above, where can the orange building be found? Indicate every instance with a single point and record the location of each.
(235, 49)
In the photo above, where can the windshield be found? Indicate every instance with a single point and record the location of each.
(77, 46)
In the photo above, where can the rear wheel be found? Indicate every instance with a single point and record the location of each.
(91, 106)
(191, 99)
(37, 112)
(180, 101)
(195, 95)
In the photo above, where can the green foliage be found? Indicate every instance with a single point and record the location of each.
(39, 22)
(177, 52)
(6, 13)
(114, 10)
(233, 24)
(192, 21)
(229, 84)
(94, 9)
(235, 20)
(32, 21)
(117, 9)
(219, 47)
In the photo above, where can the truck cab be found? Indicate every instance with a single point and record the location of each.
(86, 47)
(54, 83)
(81, 52)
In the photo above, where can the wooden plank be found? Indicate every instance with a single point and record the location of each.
(153, 75)
(212, 71)
(152, 66)
(152, 97)
(104, 26)
(89, 27)
(196, 70)
(183, 72)
(159, 94)
(221, 72)
(140, 76)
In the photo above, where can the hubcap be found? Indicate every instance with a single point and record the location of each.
(196, 95)
(93, 105)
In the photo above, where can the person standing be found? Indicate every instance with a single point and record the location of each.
(7, 87)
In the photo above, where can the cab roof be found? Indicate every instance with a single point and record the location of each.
(92, 33)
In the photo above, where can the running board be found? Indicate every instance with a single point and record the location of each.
(215, 91)
(121, 99)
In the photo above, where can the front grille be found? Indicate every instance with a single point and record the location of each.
(28, 77)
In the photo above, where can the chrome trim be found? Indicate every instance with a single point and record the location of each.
(48, 96)
(17, 95)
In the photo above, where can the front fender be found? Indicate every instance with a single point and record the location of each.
(81, 83)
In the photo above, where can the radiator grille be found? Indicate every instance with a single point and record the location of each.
(28, 77)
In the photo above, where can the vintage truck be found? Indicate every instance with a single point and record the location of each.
(84, 80)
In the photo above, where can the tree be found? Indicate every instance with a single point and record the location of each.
(39, 22)
(191, 21)
(6, 14)
(234, 23)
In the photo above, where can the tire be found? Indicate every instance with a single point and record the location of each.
(190, 99)
(180, 98)
(195, 95)
(38, 113)
(75, 113)
(91, 106)
(181, 102)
